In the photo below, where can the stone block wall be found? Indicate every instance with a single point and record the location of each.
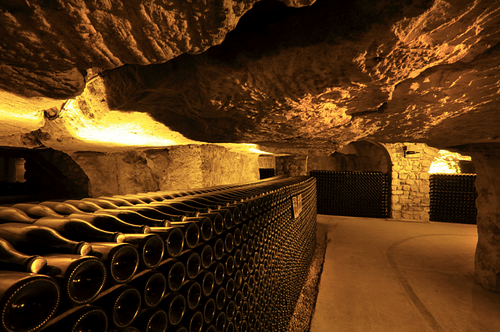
(410, 180)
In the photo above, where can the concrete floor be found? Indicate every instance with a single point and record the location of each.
(393, 276)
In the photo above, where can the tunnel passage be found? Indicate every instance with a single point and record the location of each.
(355, 181)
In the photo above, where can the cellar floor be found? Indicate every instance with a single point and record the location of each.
(393, 276)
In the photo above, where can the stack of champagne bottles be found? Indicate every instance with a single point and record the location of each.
(226, 258)
(356, 194)
(266, 173)
(453, 198)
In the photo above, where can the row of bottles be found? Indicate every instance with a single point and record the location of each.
(266, 173)
(359, 194)
(453, 182)
(201, 260)
(453, 198)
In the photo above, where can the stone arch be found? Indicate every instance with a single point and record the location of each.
(356, 156)
(365, 156)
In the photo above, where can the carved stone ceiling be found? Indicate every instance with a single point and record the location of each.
(289, 76)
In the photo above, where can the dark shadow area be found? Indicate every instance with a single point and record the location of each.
(40, 175)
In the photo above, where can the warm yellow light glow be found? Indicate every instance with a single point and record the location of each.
(253, 149)
(447, 162)
(132, 129)
(10, 116)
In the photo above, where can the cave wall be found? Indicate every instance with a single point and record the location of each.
(267, 161)
(410, 180)
(291, 165)
(177, 167)
(486, 158)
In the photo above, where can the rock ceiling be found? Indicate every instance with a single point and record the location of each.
(287, 74)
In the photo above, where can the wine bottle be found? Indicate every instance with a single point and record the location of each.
(116, 201)
(230, 310)
(134, 217)
(191, 232)
(174, 305)
(62, 207)
(110, 223)
(13, 260)
(87, 318)
(219, 273)
(220, 297)
(36, 210)
(207, 255)
(229, 242)
(238, 319)
(79, 230)
(27, 300)
(138, 198)
(238, 279)
(193, 320)
(192, 292)
(121, 259)
(218, 248)
(175, 273)
(217, 220)
(14, 215)
(237, 237)
(238, 299)
(152, 286)
(207, 307)
(205, 225)
(80, 277)
(170, 210)
(207, 282)
(32, 239)
(151, 212)
(230, 327)
(230, 287)
(192, 201)
(150, 247)
(173, 238)
(85, 206)
(209, 328)
(152, 196)
(229, 266)
(122, 305)
(152, 320)
(220, 322)
(103, 204)
(192, 261)
(182, 206)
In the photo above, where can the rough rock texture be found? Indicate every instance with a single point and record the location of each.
(426, 72)
(291, 165)
(46, 47)
(355, 156)
(307, 80)
(486, 159)
(178, 167)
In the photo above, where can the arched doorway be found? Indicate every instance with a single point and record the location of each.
(354, 181)
(452, 189)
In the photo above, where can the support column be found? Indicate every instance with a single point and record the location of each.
(486, 158)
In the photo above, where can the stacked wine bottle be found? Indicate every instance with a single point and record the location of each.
(453, 198)
(357, 194)
(226, 258)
